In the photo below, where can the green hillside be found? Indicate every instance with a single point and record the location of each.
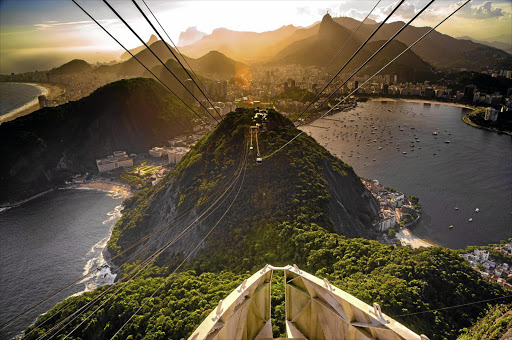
(283, 215)
(44, 148)
(495, 325)
(303, 180)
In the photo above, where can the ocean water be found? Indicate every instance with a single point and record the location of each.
(17, 96)
(47, 243)
(473, 171)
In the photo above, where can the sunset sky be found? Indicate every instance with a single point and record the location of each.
(43, 34)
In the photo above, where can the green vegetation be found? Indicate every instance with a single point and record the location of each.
(140, 176)
(413, 199)
(492, 326)
(283, 215)
(402, 280)
(43, 149)
(390, 189)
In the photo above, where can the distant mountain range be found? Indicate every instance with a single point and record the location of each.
(213, 63)
(505, 46)
(190, 36)
(136, 50)
(319, 49)
(437, 49)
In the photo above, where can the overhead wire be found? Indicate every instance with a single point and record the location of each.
(395, 58)
(351, 58)
(143, 264)
(140, 62)
(169, 224)
(147, 263)
(451, 307)
(361, 85)
(17, 316)
(369, 59)
(346, 42)
(158, 58)
(188, 256)
(175, 57)
(173, 44)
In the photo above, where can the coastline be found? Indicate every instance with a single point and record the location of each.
(421, 101)
(113, 188)
(51, 91)
(408, 239)
(469, 122)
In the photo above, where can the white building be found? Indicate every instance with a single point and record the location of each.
(174, 155)
(156, 152)
(491, 114)
(118, 160)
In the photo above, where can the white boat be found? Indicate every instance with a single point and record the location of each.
(434, 133)
(447, 141)
(451, 226)
(456, 208)
(477, 210)
(470, 219)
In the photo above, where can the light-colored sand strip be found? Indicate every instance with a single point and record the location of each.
(407, 238)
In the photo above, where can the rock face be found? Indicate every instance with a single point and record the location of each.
(44, 148)
(303, 182)
(190, 36)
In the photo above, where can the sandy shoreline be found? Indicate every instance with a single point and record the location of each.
(51, 91)
(408, 239)
(421, 101)
(114, 188)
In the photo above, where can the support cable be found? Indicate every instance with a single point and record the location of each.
(389, 63)
(352, 57)
(157, 57)
(188, 256)
(175, 57)
(346, 41)
(369, 59)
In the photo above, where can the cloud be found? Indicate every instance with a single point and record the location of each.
(54, 25)
(47, 25)
(483, 11)
(303, 11)
(406, 10)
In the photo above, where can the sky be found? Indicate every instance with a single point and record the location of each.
(40, 34)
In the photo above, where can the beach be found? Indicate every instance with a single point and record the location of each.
(420, 101)
(408, 239)
(51, 91)
(117, 189)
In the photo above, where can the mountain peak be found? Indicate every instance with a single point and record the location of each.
(152, 39)
(327, 18)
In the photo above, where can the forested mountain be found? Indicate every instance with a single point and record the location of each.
(303, 179)
(295, 207)
(44, 148)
